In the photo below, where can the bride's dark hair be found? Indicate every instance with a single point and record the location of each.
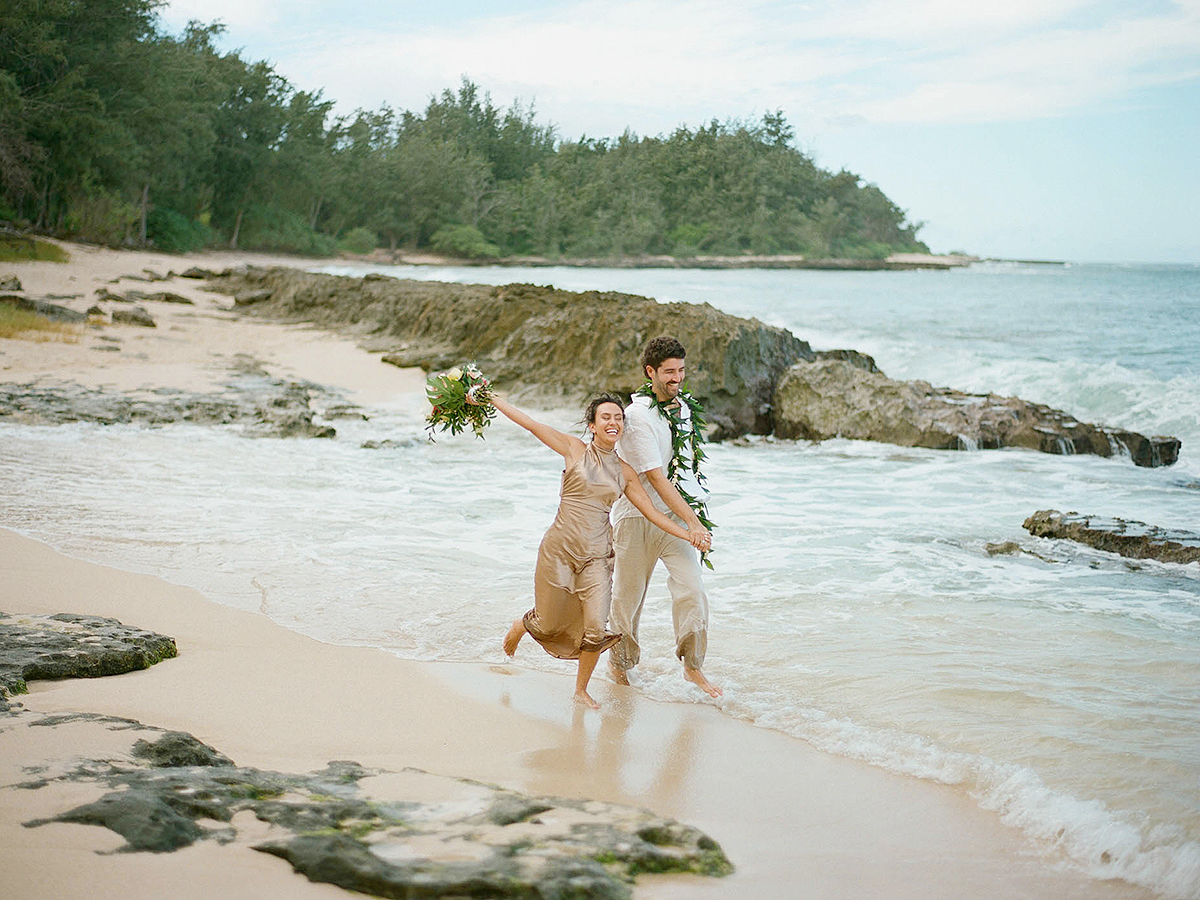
(589, 416)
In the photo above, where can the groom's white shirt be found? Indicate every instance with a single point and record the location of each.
(646, 445)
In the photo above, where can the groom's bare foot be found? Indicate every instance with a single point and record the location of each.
(514, 635)
(696, 677)
(585, 699)
(617, 675)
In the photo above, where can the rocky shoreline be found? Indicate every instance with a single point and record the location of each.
(422, 734)
(753, 378)
(559, 346)
(836, 398)
(252, 399)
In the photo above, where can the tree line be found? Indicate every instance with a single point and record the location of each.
(113, 131)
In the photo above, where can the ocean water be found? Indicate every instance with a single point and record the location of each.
(854, 604)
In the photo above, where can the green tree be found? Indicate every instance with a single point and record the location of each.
(249, 124)
(112, 130)
(173, 125)
(423, 189)
(358, 147)
(303, 166)
(70, 63)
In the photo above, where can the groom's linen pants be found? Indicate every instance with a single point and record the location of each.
(639, 546)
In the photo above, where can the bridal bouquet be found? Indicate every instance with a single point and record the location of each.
(448, 392)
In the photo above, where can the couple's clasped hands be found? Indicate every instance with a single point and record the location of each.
(700, 538)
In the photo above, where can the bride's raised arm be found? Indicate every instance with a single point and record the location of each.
(565, 445)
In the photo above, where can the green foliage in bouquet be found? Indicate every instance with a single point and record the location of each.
(447, 393)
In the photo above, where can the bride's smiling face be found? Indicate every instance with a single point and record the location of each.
(607, 425)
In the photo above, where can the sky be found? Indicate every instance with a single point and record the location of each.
(1021, 129)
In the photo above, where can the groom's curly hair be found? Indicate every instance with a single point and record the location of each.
(661, 348)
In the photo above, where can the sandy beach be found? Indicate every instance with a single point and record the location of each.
(191, 347)
(796, 823)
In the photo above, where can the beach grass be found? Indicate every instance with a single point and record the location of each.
(30, 326)
(27, 249)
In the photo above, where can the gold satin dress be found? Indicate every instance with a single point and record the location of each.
(572, 585)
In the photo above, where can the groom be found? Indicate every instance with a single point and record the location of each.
(661, 443)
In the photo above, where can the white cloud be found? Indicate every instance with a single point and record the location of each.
(592, 66)
(596, 55)
(935, 23)
(1045, 73)
(598, 66)
(240, 16)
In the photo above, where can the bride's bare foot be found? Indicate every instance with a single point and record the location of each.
(514, 635)
(584, 698)
(617, 675)
(696, 677)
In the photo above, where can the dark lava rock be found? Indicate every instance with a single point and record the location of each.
(390, 444)
(148, 275)
(105, 295)
(844, 398)
(50, 310)
(34, 404)
(853, 357)
(143, 818)
(178, 748)
(556, 345)
(1133, 539)
(1003, 548)
(143, 296)
(169, 297)
(341, 860)
(73, 646)
(508, 809)
(345, 411)
(249, 298)
(136, 316)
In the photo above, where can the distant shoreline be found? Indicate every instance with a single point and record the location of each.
(895, 262)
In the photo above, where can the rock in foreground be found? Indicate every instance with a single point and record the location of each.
(1136, 540)
(835, 398)
(461, 839)
(73, 646)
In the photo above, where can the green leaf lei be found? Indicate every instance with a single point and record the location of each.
(686, 440)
